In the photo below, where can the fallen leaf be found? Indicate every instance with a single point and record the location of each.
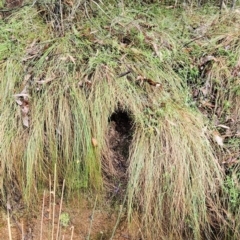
(47, 80)
(156, 49)
(206, 59)
(206, 103)
(19, 102)
(218, 138)
(172, 123)
(71, 58)
(21, 95)
(25, 121)
(205, 90)
(80, 83)
(94, 142)
(27, 77)
(63, 58)
(58, 132)
(149, 81)
(69, 2)
(231, 161)
(223, 126)
(8, 206)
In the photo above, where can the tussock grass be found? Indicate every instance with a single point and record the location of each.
(73, 86)
(169, 182)
(215, 76)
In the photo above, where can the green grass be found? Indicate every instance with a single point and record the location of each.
(71, 78)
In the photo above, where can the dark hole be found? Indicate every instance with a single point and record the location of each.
(115, 160)
(120, 139)
(126, 40)
(123, 123)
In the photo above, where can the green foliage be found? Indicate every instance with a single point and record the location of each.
(232, 189)
(73, 86)
(64, 219)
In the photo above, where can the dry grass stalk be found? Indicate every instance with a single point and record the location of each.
(54, 199)
(50, 198)
(22, 230)
(72, 232)
(60, 210)
(42, 217)
(9, 225)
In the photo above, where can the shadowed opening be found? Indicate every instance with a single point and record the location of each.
(115, 157)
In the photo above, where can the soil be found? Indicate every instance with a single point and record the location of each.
(82, 222)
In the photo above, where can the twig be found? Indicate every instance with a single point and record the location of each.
(9, 225)
(60, 210)
(186, 44)
(22, 231)
(50, 197)
(72, 232)
(54, 198)
(125, 73)
(43, 203)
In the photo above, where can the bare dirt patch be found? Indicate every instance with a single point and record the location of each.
(80, 221)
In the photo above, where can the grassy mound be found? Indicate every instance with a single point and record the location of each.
(103, 93)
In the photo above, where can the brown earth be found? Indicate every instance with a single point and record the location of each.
(84, 222)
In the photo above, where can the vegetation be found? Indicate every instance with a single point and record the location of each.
(133, 101)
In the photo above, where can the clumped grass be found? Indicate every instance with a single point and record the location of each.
(213, 79)
(70, 85)
(173, 179)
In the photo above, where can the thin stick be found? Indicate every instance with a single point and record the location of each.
(9, 225)
(72, 232)
(50, 197)
(22, 230)
(43, 204)
(60, 210)
(54, 198)
(92, 217)
(196, 38)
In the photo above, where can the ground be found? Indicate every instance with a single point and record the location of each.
(78, 222)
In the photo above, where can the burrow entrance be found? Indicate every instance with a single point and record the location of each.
(115, 158)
